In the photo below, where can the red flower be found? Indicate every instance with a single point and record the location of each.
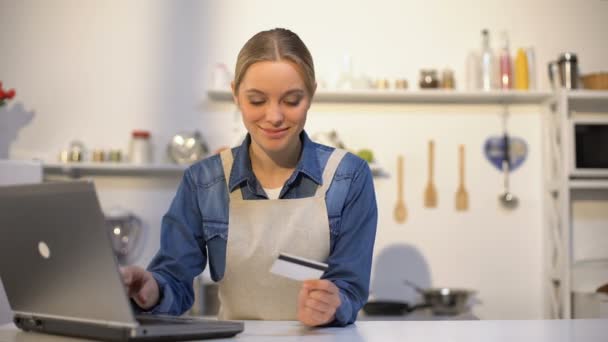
(6, 95)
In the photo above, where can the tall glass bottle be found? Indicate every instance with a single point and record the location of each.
(486, 62)
(506, 73)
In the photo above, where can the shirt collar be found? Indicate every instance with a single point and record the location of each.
(307, 165)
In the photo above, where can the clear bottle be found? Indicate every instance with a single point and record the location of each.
(473, 77)
(486, 62)
(506, 73)
(531, 68)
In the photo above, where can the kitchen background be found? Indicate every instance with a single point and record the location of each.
(94, 71)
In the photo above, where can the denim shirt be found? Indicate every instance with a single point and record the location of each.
(195, 228)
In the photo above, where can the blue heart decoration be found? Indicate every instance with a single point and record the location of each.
(494, 151)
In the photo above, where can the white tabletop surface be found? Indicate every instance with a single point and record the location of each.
(417, 331)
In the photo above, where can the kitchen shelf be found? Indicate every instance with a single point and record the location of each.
(589, 184)
(565, 272)
(77, 170)
(588, 98)
(602, 262)
(431, 96)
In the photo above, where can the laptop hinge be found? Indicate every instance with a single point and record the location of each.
(35, 317)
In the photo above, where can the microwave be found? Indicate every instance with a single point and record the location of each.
(589, 147)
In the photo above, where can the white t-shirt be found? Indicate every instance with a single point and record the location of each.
(273, 193)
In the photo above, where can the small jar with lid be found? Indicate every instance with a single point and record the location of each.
(447, 79)
(429, 79)
(140, 148)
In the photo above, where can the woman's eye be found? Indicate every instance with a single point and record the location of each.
(256, 102)
(293, 103)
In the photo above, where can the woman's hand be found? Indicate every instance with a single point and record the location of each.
(318, 301)
(141, 286)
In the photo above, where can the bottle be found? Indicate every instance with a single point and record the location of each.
(346, 77)
(506, 75)
(531, 68)
(472, 71)
(486, 62)
(521, 70)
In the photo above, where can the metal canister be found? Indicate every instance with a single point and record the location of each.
(568, 70)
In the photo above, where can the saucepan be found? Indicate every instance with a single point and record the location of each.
(445, 300)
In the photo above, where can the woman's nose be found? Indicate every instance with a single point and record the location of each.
(274, 114)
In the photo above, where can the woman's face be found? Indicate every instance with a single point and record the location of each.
(274, 102)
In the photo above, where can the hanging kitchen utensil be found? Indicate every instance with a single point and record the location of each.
(430, 193)
(507, 198)
(494, 151)
(462, 196)
(400, 212)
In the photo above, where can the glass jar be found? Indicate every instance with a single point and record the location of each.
(428, 79)
(447, 81)
(140, 150)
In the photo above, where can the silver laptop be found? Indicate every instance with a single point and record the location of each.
(61, 276)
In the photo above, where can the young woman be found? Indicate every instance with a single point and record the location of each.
(277, 192)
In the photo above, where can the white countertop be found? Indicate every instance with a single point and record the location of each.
(418, 331)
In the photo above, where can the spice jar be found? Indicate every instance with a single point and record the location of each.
(428, 79)
(115, 156)
(99, 156)
(401, 83)
(447, 79)
(140, 150)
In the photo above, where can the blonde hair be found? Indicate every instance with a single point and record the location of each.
(275, 45)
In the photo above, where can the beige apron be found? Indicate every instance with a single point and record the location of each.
(258, 231)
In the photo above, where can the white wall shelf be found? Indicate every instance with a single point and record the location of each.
(77, 170)
(431, 96)
(588, 99)
(589, 184)
(590, 262)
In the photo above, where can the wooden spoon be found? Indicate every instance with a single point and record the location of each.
(400, 212)
(430, 193)
(462, 197)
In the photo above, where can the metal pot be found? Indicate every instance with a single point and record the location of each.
(448, 301)
(445, 300)
(187, 147)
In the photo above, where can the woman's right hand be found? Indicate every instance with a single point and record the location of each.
(141, 286)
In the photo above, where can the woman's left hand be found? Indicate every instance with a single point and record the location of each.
(318, 301)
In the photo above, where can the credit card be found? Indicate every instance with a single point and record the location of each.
(297, 268)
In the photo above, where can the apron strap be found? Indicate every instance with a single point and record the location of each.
(330, 169)
(227, 161)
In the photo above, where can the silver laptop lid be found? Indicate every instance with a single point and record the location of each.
(56, 258)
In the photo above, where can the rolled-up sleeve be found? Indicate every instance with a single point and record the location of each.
(182, 254)
(351, 257)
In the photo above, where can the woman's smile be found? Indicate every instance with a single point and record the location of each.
(275, 133)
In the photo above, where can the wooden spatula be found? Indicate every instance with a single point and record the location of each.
(400, 212)
(430, 193)
(462, 197)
